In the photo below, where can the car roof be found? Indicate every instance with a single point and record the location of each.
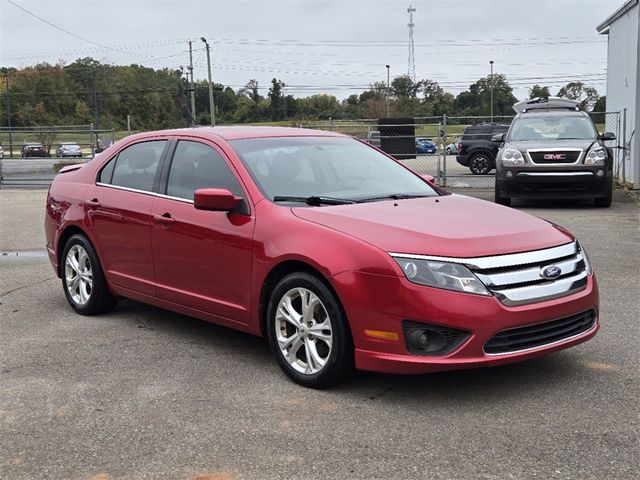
(243, 132)
(552, 113)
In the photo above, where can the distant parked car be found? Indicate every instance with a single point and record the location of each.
(374, 138)
(32, 150)
(1, 151)
(424, 145)
(68, 149)
(452, 148)
(477, 150)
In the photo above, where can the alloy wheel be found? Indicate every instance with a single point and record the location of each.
(303, 331)
(78, 275)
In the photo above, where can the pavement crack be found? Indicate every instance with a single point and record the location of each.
(13, 290)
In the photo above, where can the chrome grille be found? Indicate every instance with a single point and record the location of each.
(553, 156)
(518, 279)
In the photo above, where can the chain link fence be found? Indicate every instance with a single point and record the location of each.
(32, 156)
(456, 151)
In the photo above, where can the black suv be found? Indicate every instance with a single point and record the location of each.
(477, 150)
(553, 150)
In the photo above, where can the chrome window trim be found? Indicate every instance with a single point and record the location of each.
(569, 149)
(554, 174)
(170, 197)
(500, 261)
(126, 189)
(546, 345)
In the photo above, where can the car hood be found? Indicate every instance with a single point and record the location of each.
(452, 226)
(554, 144)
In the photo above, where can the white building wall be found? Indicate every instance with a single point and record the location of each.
(623, 89)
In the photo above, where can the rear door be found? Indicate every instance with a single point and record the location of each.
(119, 209)
(202, 258)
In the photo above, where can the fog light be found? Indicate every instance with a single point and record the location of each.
(424, 339)
(509, 174)
(600, 173)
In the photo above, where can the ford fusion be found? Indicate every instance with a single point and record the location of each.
(336, 253)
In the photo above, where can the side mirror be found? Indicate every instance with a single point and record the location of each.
(606, 136)
(498, 138)
(428, 178)
(215, 199)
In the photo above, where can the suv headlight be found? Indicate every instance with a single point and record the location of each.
(596, 156)
(512, 157)
(449, 276)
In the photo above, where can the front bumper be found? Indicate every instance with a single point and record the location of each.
(462, 160)
(569, 182)
(381, 303)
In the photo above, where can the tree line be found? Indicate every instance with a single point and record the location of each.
(88, 91)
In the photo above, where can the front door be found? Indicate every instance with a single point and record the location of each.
(202, 259)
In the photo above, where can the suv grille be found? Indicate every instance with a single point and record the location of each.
(555, 156)
(520, 278)
(532, 336)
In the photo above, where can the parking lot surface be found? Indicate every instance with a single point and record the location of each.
(145, 393)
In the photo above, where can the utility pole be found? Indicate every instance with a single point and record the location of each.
(191, 88)
(387, 90)
(6, 93)
(212, 106)
(96, 125)
(491, 63)
(411, 71)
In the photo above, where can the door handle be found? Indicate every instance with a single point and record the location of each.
(93, 203)
(165, 219)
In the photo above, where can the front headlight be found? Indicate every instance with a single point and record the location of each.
(587, 263)
(450, 276)
(596, 156)
(512, 157)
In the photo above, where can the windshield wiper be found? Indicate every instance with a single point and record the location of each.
(395, 196)
(314, 200)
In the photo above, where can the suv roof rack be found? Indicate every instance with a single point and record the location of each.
(547, 103)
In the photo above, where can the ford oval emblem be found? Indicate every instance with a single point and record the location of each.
(550, 272)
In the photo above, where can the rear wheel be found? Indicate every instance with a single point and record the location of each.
(308, 333)
(480, 164)
(83, 279)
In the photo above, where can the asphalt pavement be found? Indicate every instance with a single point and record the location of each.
(142, 393)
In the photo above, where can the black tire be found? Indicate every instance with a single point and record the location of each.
(338, 358)
(605, 202)
(99, 298)
(480, 163)
(448, 151)
(499, 199)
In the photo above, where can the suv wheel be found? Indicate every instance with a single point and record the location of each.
(480, 164)
(605, 201)
(499, 199)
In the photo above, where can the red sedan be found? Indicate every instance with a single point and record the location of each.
(335, 252)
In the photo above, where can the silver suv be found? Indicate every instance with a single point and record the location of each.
(553, 150)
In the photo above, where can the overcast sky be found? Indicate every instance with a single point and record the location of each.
(339, 47)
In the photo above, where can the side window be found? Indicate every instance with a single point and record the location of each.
(196, 165)
(135, 166)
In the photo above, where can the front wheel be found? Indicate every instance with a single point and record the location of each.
(605, 202)
(480, 164)
(308, 332)
(499, 199)
(83, 279)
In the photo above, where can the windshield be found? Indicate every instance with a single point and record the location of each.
(337, 168)
(552, 128)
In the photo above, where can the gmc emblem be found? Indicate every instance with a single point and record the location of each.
(555, 156)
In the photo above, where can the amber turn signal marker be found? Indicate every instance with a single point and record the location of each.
(382, 335)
